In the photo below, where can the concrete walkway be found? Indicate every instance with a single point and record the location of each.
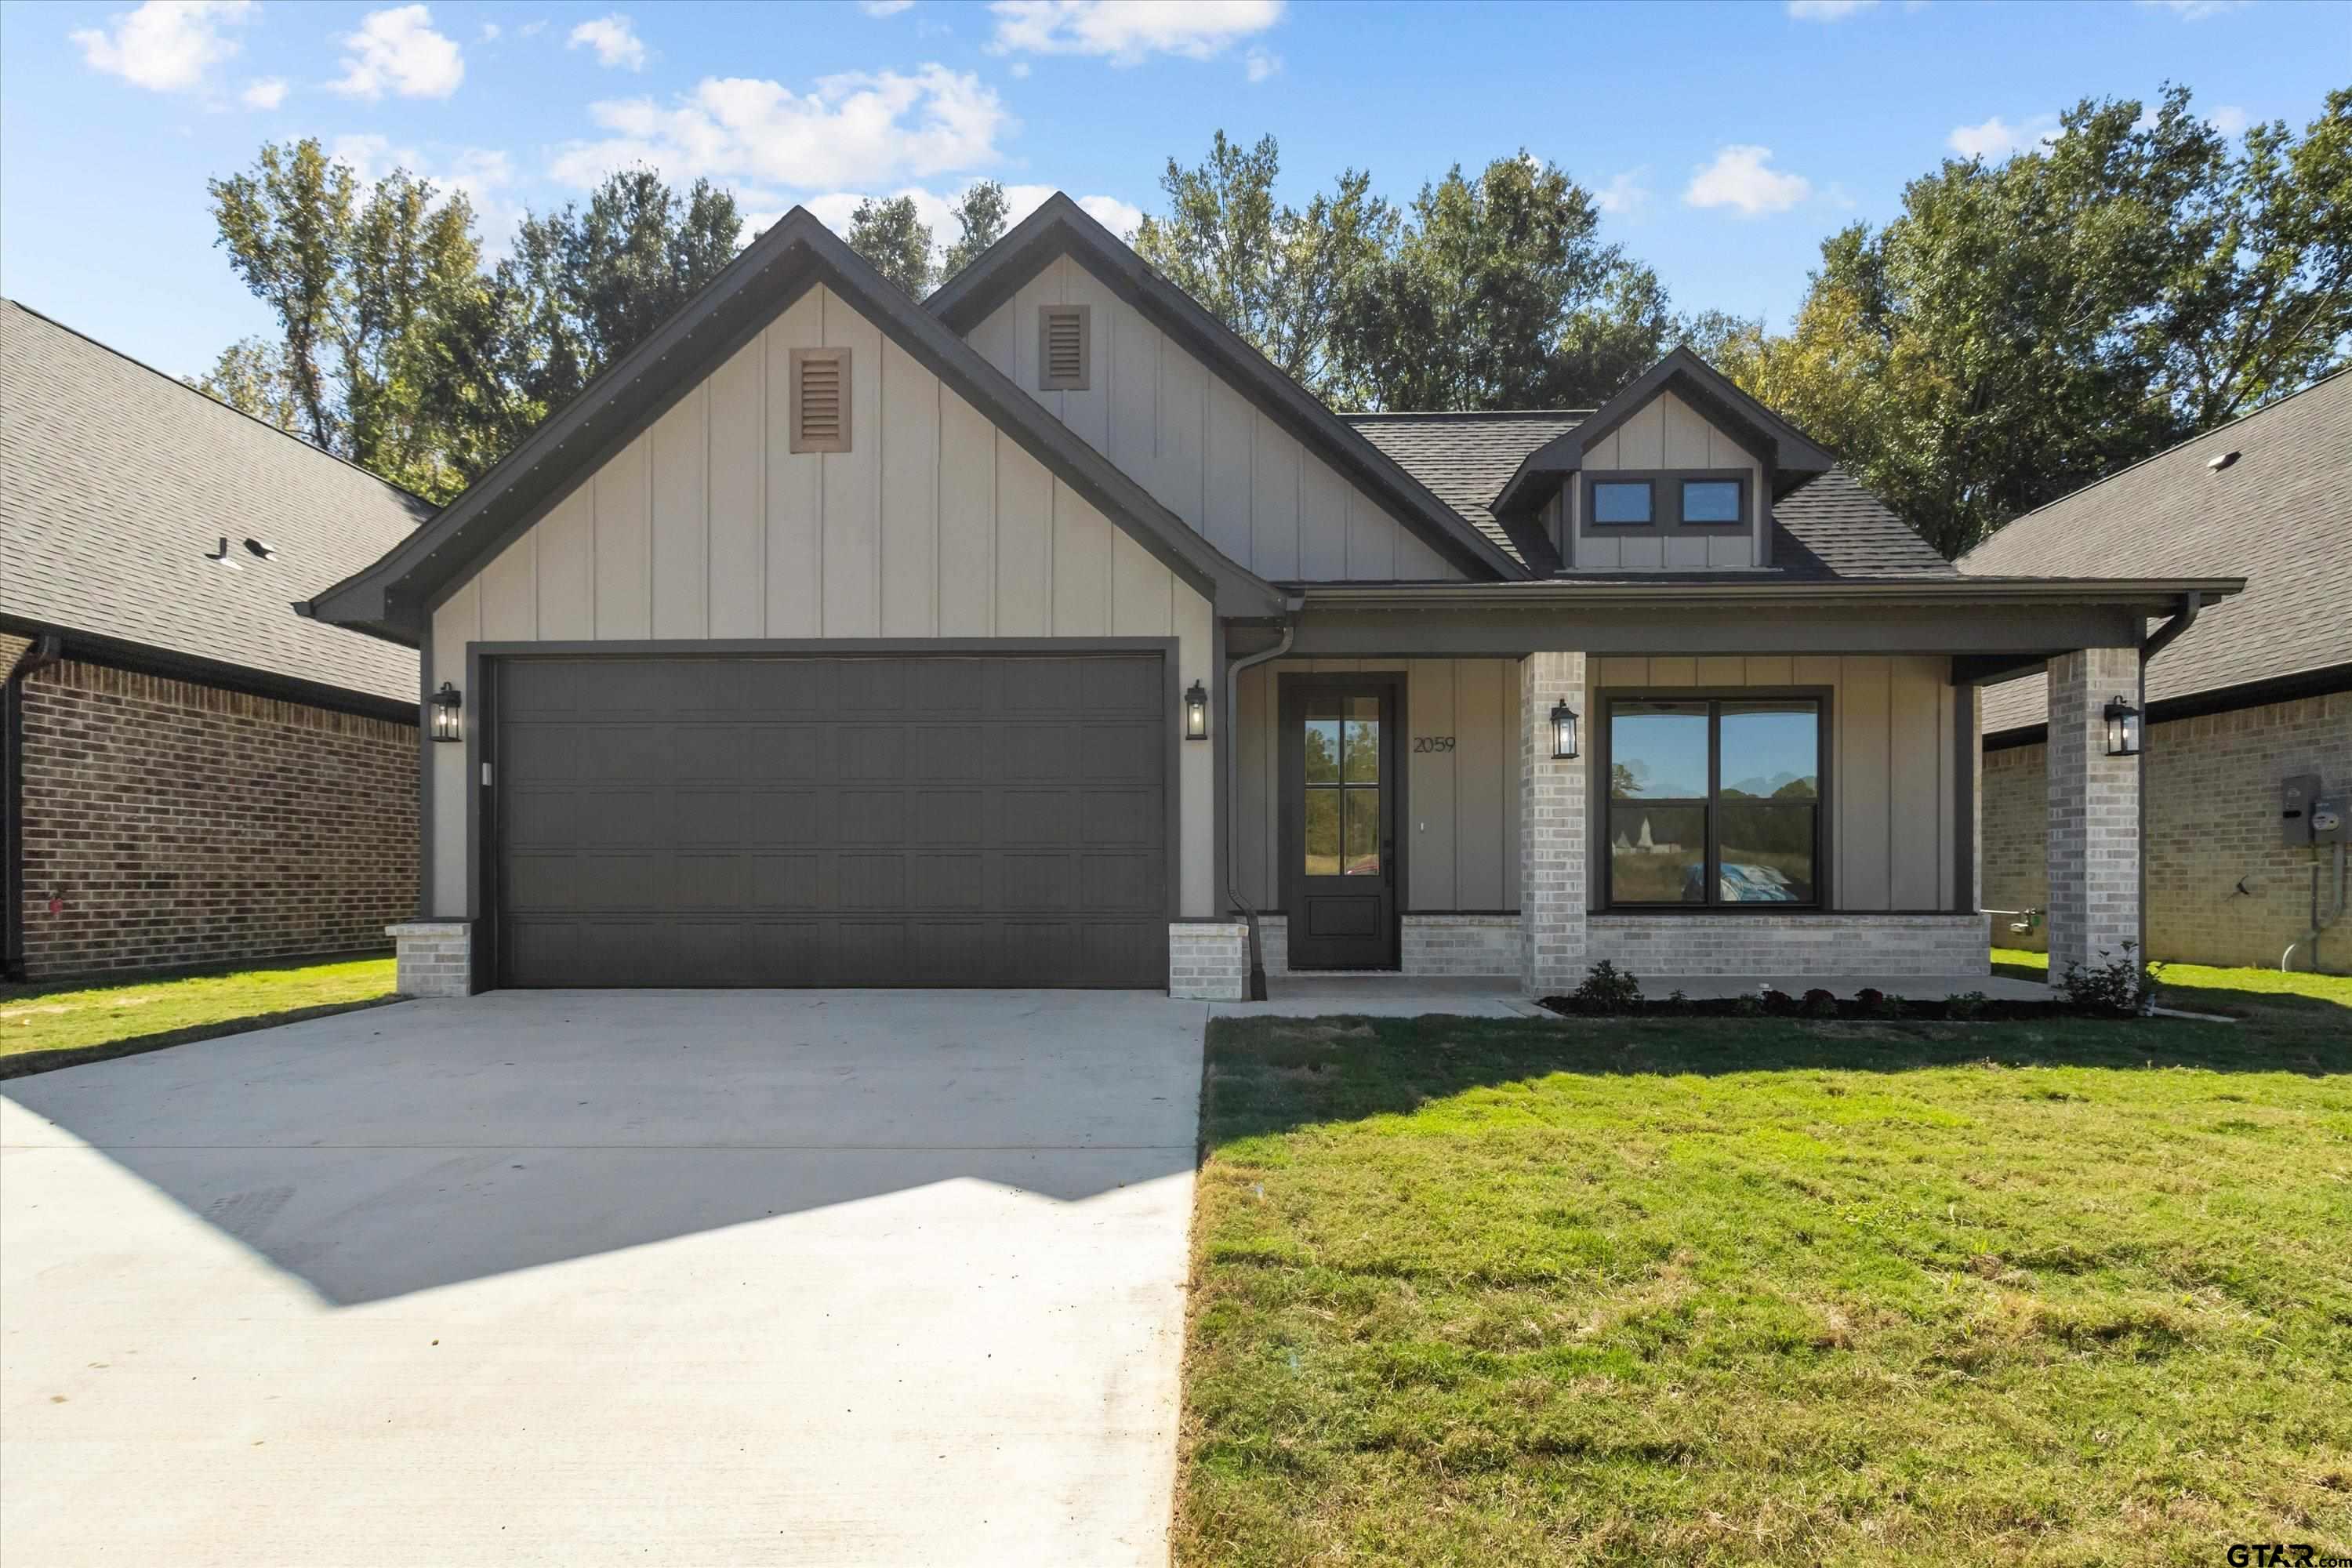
(582, 1279)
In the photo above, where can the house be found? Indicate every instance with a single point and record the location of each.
(2256, 694)
(1042, 633)
(194, 773)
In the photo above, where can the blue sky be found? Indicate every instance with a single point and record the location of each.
(1725, 141)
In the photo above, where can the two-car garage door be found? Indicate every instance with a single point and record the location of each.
(929, 820)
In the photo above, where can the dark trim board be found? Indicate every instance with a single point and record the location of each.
(2321, 682)
(1666, 498)
(140, 658)
(484, 661)
(1762, 627)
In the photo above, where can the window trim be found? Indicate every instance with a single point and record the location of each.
(801, 440)
(1663, 524)
(1591, 489)
(1737, 478)
(1047, 380)
(1824, 898)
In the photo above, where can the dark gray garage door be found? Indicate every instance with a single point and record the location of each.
(833, 821)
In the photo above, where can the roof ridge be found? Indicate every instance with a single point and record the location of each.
(131, 359)
(2186, 442)
(1460, 412)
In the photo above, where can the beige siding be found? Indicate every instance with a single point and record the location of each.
(1460, 820)
(1894, 775)
(1201, 448)
(1665, 433)
(934, 524)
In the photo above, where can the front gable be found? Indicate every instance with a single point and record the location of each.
(1245, 456)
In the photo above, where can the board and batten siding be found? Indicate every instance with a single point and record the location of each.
(1203, 450)
(1896, 782)
(1665, 433)
(1461, 819)
(934, 524)
(1895, 785)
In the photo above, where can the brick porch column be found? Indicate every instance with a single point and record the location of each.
(2093, 811)
(1553, 836)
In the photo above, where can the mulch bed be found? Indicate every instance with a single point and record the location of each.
(1781, 1005)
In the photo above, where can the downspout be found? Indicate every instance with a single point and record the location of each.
(2154, 643)
(1233, 796)
(47, 649)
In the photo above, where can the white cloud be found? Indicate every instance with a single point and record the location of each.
(614, 40)
(855, 130)
(1739, 178)
(2198, 10)
(264, 92)
(1996, 139)
(1126, 31)
(883, 7)
(2228, 119)
(168, 46)
(490, 31)
(1262, 64)
(1624, 195)
(1828, 10)
(397, 48)
(1020, 70)
(485, 174)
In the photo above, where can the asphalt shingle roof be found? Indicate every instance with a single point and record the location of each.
(2280, 516)
(1829, 527)
(116, 481)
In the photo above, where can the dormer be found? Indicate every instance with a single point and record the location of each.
(1677, 473)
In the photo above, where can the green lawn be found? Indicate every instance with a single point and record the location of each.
(1763, 1290)
(92, 1018)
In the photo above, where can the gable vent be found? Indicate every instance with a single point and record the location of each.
(820, 400)
(1062, 347)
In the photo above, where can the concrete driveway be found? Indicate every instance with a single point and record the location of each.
(573, 1278)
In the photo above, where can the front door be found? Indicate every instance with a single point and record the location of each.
(1340, 814)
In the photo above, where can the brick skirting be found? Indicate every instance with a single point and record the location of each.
(1208, 960)
(436, 958)
(173, 824)
(1791, 945)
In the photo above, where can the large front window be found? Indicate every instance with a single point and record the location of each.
(1715, 801)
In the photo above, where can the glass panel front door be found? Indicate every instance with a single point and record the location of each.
(1339, 770)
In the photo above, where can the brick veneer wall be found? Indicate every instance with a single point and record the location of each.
(180, 823)
(2212, 820)
(1429, 944)
(1793, 946)
(1552, 832)
(1208, 960)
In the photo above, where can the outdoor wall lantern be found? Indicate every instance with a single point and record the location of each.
(1196, 712)
(1563, 731)
(449, 714)
(2123, 729)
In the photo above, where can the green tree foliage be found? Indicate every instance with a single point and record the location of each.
(398, 351)
(979, 216)
(2023, 328)
(890, 233)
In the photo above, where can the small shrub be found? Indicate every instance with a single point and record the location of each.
(1871, 998)
(1776, 1001)
(1678, 1002)
(1890, 1007)
(1606, 988)
(2120, 988)
(1748, 1006)
(1964, 1004)
(1821, 1003)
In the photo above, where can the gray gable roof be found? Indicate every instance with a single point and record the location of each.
(116, 481)
(2281, 515)
(1829, 528)
(1060, 225)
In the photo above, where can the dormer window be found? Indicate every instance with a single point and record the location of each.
(1712, 500)
(1620, 503)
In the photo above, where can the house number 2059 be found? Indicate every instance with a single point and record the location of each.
(1432, 742)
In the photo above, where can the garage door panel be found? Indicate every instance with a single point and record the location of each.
(833, 821)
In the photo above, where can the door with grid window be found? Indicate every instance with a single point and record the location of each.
(1340, 814)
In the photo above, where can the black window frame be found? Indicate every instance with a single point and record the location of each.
(1714, 697)
(1592, 493)
(1736, 479)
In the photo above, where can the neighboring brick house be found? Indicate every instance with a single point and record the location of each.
(2258, 691)
(194, 773)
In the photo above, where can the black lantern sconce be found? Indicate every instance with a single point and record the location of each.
(1196, 712)
(1563, 732)
(449, 714)
(2123, 729)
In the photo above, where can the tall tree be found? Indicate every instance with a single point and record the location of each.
(286, 224)
(250, 375)
(980, 214)
(1501, 294)
(2022, 328)
(892, 235)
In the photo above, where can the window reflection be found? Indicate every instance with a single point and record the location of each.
(1341, 751)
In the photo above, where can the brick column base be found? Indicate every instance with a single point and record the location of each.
(2094, 812)
(1208, 960)
(1553, 829)
(434, 958)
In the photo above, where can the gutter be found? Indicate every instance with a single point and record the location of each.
(47, 649)
(1257, 988)
(2154, 643)
(1566, 592)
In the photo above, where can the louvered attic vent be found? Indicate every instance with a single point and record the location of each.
(820, 400)
(1062, 346)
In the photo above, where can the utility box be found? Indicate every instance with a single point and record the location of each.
(2327, 818)
(2298, 794)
